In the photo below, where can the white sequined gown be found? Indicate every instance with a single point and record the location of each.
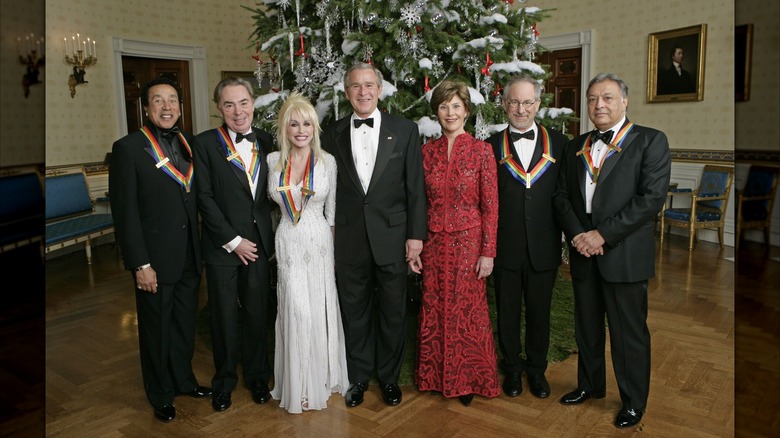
(309, 360)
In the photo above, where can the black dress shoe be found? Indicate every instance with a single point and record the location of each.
(221, 401)
(512, 385)
(260, 393)
(578, 396)
(199, 392)
(391, 394)
(538, 385)
(165, 413)
(354, 395)
(466, 399)
(628, 417)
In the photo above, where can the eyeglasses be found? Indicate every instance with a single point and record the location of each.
(514, 104)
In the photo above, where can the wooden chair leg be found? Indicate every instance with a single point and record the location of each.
(88, 248)
(691, 235)
(720, 237)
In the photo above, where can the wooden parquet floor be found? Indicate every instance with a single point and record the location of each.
(93, 384)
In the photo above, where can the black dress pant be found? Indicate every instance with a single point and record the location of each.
(228, 286)
(516, 288)
(166, 335)
(625, 306)
(373, 308)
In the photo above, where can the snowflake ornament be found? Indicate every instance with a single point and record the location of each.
(481, 129)
(412, 45)
(304, 83)
(410, 15)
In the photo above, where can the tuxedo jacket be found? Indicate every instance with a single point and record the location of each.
(225, 200)
(526, 217)
(631, 190)
(153, 214)
(393, 208)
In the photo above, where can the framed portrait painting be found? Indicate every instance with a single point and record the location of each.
(675, 64)
(251, 78)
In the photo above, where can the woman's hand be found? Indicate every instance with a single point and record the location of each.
(484, 267)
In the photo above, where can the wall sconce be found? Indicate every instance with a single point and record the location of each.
(31, 54)
(80, 54)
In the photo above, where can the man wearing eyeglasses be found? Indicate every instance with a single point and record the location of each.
(529, 238)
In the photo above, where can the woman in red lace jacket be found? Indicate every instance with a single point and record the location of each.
(456, 352)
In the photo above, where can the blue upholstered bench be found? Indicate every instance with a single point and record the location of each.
(21, 208)
(70, 214)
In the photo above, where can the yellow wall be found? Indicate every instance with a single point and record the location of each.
(758, 119)
(82, 129)
(21, 119)
(620, 37)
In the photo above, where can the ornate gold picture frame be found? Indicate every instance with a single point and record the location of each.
(675, 65)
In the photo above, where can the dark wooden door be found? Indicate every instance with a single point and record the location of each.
(564, 84)
(136, 71)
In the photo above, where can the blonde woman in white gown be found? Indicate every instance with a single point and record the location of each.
(309, 360)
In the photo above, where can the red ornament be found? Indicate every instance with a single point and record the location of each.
(536, 32)
(427, 88)
(488, 63)
(498, 89)
(301, 51)
(511, 2)
(256, 56)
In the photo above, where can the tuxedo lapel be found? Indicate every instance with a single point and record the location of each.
(344, 144)
(538, 149)
(241, 175)
(384, 149)
(612, 161)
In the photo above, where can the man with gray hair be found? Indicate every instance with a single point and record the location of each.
(380, 226)
(237, 241)
(529, 237)
(612, 185)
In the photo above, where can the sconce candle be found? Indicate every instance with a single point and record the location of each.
(82, 57)
(31, 55)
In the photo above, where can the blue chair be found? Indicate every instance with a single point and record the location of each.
(755, 201)
(708, 205)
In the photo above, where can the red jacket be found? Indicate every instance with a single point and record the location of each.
(462, 191)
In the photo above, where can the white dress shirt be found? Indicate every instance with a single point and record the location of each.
(597, 152)
(525, 147)
(365, 141)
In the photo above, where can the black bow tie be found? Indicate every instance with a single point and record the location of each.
(250, 137)
(169, 134)
(606, 137)
(517, 136)
(369, 121)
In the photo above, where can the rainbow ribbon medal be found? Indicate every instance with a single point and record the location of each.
(614, 146)
(165, 164)
(517, 170)
(307, 189)
(232, 155)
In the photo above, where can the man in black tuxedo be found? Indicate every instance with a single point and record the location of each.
(237, 241)
(676, 80)
(529, 237)
(380, 225)
(153, 203)
(612, 185)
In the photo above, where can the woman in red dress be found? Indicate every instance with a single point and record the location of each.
(456, 352)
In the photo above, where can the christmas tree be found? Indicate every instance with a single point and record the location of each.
(306, 45)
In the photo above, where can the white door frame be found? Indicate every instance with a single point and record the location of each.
(582, 40)
(196, 56)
